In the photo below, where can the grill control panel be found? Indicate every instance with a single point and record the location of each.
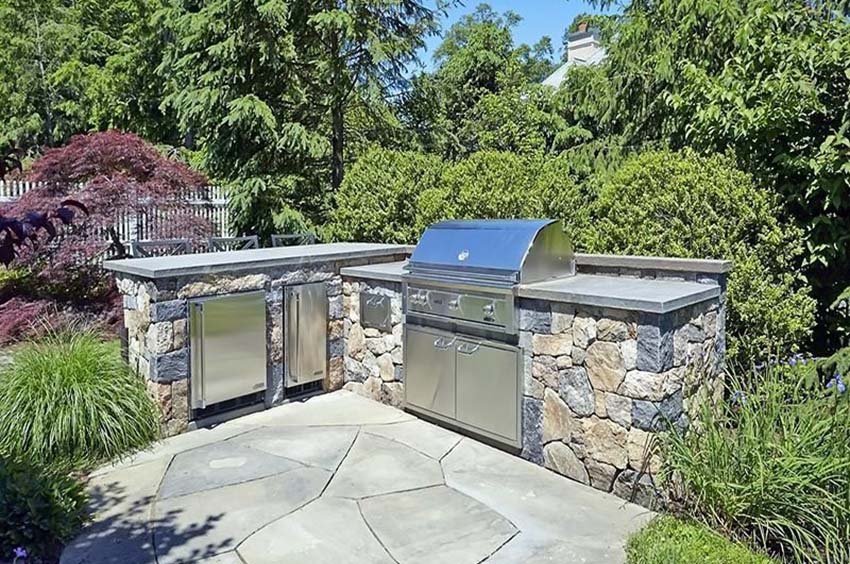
(494, 309)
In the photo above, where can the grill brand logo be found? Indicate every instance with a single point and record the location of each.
(463, 255)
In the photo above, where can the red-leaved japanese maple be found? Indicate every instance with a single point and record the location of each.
(112, 174)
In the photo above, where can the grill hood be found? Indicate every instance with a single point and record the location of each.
(496, 251)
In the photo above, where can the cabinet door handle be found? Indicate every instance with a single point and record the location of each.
(440, 343)
(468, 348)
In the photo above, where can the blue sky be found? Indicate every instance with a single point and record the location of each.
(539, 18)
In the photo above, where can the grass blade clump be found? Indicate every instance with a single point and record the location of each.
(771, 465)
(70, 400)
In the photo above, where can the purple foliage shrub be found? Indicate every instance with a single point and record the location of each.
(110, 173)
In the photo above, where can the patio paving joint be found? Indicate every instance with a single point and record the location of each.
(454, 446)
(341, 461)
(374, 534)
(264, 525)
(501, 546)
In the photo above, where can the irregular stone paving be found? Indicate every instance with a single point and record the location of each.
(342, 479)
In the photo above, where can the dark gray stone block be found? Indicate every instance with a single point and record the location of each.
(532, 429)
(654, 343)
(535, 316)
(336, 347)
(638, 488)
(657, 416)
(169, 311)
(575, 389)
(170, 367)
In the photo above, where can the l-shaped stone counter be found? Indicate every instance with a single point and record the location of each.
(611, 355)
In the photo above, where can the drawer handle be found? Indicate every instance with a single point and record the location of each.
(468, 348)
(442, 344)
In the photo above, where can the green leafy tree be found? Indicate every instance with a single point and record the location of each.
(352, 47)
(476, 59)
(767, 79)
(70, 67)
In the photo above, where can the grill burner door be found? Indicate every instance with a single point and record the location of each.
(469, 382)
(430, 370)
(487, 393)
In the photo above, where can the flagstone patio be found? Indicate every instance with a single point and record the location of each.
(342, 479)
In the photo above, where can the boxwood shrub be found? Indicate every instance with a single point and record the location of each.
(682, 204)
(40, 509)
(654, 203)
(377, 201)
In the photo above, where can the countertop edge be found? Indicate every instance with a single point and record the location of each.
(632, 304)
(367, 273)
(706, 266)
(155, 274)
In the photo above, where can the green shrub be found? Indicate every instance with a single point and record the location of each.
(770, 466)
(70, 400)
(377, 199)
(671, 541)
(685, 205)
(39, 509)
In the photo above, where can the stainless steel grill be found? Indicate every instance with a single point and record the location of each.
(462, 362)
(466, 272)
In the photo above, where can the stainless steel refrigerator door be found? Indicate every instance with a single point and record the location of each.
(488, 387)
(429, 370)
(306, 333)
(228, 341)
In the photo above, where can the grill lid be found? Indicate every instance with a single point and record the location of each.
(495, 250)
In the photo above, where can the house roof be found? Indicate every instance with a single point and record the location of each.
(556, 78)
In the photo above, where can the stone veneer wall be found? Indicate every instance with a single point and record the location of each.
(156, 318)
(373, 358)
(600, 382)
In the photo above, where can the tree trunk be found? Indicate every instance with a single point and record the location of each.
(337, 144)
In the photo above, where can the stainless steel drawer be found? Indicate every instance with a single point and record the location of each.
(429, 381)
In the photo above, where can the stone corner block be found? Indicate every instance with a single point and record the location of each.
(654, 343)
(169, 311)
(170, 367)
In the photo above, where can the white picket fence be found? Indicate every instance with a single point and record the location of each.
(209, 202)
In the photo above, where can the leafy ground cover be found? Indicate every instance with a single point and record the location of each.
(668, 540)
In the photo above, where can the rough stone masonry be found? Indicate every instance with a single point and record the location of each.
(598, 383)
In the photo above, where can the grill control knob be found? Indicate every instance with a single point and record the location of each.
(489, 312)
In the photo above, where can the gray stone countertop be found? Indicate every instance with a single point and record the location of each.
(638, 294)
(387, 271)
(208, 263)
(653, 296)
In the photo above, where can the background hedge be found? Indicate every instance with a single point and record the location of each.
(655, 203)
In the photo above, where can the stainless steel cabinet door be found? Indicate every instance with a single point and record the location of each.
(487, 387)
(429, 371)
(228, 347)
(306, 332)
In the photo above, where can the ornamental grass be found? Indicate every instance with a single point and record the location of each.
(70, 401)
(771, 465)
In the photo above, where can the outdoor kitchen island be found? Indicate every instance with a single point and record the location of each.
(573, 366)
(575, 372)
(209, 334)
